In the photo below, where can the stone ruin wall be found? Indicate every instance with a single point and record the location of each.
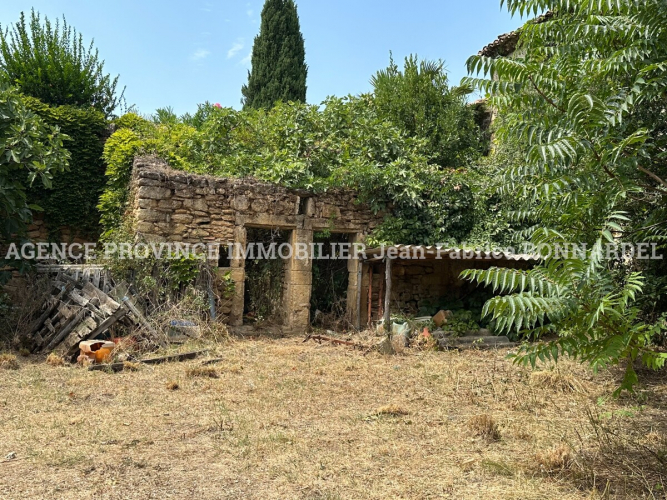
(175, 206)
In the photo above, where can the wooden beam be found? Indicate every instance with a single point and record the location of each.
(74, 322)
(357, 318)
(387, 296)
(370, 294)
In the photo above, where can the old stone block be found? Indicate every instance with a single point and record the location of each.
(259, 206)
(144, 227)
(240, 203)
(169, 204)
(199, 233)
(150, 215)
(149, 182)
(146, 203)
(154, 193)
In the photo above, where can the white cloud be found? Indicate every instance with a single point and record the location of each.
(246, 60)
(236, 48)
(250, 12)
(200, 54)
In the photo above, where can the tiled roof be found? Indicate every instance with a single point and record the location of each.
(505, 44)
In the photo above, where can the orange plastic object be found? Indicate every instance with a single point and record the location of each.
(97, 351)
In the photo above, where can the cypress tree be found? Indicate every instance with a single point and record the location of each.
(278, 58)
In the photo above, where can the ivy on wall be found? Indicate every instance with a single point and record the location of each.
(72, 200)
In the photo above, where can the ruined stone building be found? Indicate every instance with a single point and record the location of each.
(170, 205)
(175, 206)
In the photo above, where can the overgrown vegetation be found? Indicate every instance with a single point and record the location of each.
(51, 62)
(344, 143)
(31, 152)
(584, 97)
(73, 196)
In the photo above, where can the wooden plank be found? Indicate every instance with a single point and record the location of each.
(127, 300)
(73, 339)
(77, 298)
(357, 318)
(106, 302)
(49, 325)
(66, 310)
(387, 297)
(150, 361)
(49, 310)
(65, 330)
(174, 357)
(370, 294)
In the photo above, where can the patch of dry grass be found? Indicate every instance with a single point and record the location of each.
(172, 385)
(294, 423)
(202, 371)
(54, 360)
(484, 426)
(556, 380)
(556, 459)
(391, 410)
(131, 366)
(8, 361)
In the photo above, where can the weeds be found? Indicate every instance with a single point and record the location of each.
(8, 361)
(54, 360)
(484, 426)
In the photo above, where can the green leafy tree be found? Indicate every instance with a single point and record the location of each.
(51, 62)
(29, 149)
(418, 99)
(278, 59)
(585, 97)
(343, 143)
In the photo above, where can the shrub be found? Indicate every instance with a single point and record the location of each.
(51, 63)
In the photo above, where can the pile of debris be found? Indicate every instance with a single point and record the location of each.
(404, 334)
(84, 305)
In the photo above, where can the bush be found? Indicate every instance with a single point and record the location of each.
(52, 64)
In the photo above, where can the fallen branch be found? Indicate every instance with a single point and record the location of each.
(116, 367)
(321, 338)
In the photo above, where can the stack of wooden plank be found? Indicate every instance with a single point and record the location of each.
(80, 309)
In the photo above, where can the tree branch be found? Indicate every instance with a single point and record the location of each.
(652, 176)
(546, 97)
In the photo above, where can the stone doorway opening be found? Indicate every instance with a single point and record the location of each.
(329, 298)
(264, 275)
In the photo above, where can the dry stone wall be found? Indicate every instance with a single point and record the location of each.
(177, 206)
(174, 206)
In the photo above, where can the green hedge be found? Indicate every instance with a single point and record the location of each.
(72, 201)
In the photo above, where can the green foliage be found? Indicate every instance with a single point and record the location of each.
(51, 63)
(30, 150)
(342, 144)
(461, 322)
(73, 197)
(419, 101)
(585, 98)
(119, 152)
(278, 59)
(183, 270)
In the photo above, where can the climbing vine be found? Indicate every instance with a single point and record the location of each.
(72, 199)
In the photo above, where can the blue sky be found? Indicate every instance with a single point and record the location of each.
(178, 53)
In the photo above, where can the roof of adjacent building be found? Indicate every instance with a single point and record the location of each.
(506, 44)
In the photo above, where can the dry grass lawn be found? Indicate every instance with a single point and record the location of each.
(286, 419)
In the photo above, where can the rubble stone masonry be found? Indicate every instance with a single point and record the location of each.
(175, 206)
